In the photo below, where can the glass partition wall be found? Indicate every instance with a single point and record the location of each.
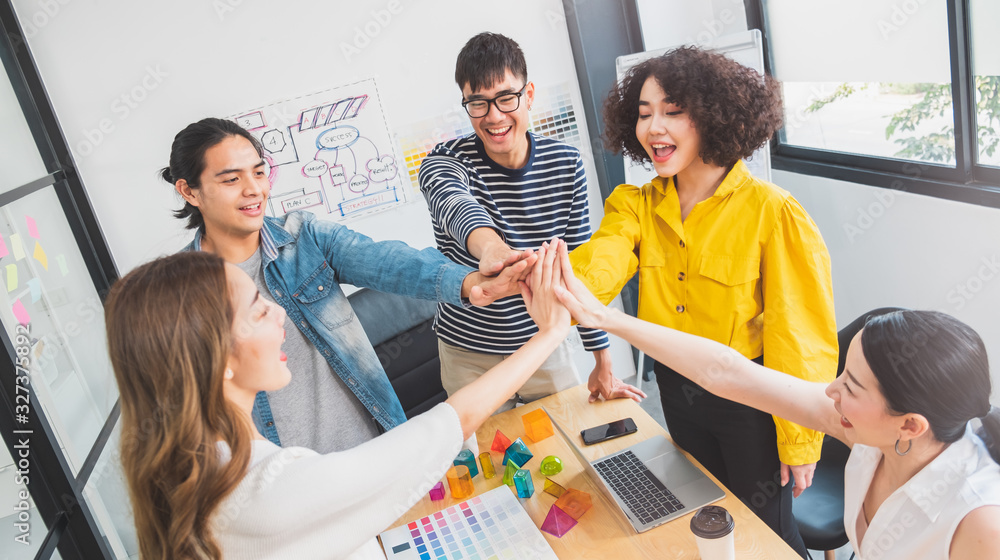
(61, 492)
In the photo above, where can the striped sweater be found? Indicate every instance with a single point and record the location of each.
(546, 198)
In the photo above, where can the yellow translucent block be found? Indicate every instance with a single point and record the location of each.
(537, 425)
(486, 461)
(460, 482)
(553, 487)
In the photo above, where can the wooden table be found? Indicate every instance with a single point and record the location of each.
(602, 533)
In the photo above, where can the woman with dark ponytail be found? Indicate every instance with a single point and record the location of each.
(919, 483)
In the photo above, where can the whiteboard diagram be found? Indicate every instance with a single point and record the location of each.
(328, 152)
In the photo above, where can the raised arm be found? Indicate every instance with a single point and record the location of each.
(799, 330)
(606, 262)
(475, 402)
(714, 366)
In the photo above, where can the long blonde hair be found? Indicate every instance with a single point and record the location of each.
(169, 335)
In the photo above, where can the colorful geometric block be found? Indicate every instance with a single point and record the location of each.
(522, 483)
(553, 487)
(518, 452)
(508, 473)
(500, 443)
(437, 493)
(465, 457)
(574, 503)
(487, 462)
(459, 482)
(537, 425)
(557, 522)
(551, 465)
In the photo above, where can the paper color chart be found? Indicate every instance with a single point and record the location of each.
(491, 526)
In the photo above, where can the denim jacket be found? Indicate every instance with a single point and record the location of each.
(305, 260)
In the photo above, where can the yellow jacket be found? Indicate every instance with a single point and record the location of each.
(747, 268)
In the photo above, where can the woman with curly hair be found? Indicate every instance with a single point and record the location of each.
(720, 254)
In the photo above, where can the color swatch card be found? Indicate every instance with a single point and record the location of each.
(491, 526)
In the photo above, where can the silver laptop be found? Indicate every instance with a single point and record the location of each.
(652, 482)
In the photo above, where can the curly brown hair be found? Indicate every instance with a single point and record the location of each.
(733, 108)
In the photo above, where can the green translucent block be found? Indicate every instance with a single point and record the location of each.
(508, 473)
(551, 465)
(487, 463)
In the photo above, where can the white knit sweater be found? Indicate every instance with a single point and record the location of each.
(294, 503)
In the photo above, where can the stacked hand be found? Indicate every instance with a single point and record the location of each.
(553, 277)
(539, 298)
(482, 289)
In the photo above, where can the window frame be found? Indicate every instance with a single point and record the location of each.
(58, 494)
(966, 181)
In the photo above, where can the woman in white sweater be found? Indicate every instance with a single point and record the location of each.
(919, 483)
(192, 342)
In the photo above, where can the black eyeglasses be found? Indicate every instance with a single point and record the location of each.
(505, 103)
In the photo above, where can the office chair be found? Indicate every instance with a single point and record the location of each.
(400, 329)
(819, 511)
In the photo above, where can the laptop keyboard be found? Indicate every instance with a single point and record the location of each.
(644, 494)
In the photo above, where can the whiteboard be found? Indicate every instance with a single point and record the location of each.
(747, 48)
(124, 77)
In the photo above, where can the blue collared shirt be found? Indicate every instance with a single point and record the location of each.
(305, 260)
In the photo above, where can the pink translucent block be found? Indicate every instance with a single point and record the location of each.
(557, 522)
(437, 493)
(500, 442)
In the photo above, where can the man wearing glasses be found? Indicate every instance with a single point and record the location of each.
(492, 195)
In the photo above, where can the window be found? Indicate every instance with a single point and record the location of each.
(895, 93)
(983, 16)
(60, 399)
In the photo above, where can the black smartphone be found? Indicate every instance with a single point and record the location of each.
(608, 431)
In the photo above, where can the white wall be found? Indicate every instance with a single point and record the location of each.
(892, 248)
(144, 70)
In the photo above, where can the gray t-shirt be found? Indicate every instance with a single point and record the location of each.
(316, 410)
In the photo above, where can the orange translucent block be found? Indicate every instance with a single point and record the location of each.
(500, 442)
(460, 482)
(537, 425)
(574, 502)
(557, 522)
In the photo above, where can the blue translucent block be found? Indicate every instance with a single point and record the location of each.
(522, 483)
(519, 452)
(465, 457)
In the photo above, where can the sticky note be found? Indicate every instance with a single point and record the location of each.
(61, 259)
(15, 246)
(20, 313)
(40, 255)
(3, 248)
(11, 277)
(36, 289)
(32, 227)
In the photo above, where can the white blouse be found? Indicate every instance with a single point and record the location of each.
(919, 519)
(297, 504)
